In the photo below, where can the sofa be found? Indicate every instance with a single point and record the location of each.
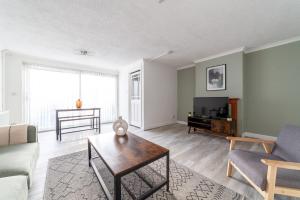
(17, 163)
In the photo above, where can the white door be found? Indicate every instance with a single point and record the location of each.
(135, 99)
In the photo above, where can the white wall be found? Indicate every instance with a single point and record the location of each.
(1, 78)
(160, 94)
(124, 87)
(159, 83)
(13, 79)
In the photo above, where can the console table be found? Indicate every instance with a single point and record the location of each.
(84, 114)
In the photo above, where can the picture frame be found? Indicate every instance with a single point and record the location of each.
(216, 78)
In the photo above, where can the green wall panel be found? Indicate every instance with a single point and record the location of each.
(272, 89)
(185, 92)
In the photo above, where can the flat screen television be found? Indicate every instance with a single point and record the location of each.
(211, 107)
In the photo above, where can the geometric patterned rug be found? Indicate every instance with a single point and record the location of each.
(70, 178)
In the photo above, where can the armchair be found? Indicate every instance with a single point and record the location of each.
(277, 171)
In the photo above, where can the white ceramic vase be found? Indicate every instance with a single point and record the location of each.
(120, 126)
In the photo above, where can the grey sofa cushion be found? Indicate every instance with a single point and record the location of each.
(32, 135)
(288, 144)
(13, 188)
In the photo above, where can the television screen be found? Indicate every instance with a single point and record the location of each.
(211, 107)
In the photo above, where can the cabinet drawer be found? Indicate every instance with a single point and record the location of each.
(220, 126)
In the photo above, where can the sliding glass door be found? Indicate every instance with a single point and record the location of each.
(48, 89)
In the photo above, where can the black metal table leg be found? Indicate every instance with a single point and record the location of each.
(56, 124)
(168, 171)
(89, 152)
(99, 124)
(117, 188)
(59, 129)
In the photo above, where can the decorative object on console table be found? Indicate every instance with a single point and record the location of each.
(78, 104)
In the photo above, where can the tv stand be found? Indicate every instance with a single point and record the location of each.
(217, 126)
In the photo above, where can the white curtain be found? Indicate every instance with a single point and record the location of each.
(48, 89)
(100, 90)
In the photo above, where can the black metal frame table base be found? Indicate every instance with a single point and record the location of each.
(117, 178)
(94, 117)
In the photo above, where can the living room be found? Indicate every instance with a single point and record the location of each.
(144, 100)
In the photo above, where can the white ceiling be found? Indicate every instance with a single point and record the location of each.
(119, 32)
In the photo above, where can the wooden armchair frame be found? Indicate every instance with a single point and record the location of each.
(272, 165)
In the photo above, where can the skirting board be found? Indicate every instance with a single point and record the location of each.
(259, 136)
(181, 122)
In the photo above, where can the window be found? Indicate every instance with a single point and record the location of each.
(48, 89)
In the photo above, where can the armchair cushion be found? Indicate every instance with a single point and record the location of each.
(250, 164)
(287, 145)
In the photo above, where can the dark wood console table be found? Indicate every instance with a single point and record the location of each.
(68, 115)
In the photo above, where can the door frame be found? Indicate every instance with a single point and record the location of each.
(129, 96)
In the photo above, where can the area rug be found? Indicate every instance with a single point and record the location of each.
(70, 178)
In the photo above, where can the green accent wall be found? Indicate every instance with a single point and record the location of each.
(185, 92)
(272, 81)
(266, 81)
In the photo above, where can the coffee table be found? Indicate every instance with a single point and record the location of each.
(123, 155)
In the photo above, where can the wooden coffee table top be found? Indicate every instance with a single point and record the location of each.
(123, 154)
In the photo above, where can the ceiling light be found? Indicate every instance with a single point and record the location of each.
(83, 52)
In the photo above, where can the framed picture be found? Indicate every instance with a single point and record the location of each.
(216, 78)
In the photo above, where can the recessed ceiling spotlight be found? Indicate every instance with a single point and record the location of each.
(83, 52)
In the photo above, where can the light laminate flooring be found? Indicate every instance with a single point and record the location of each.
(205, 154)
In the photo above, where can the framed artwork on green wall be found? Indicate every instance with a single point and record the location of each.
(216, 78)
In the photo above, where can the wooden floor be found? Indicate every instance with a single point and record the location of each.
(202, 153)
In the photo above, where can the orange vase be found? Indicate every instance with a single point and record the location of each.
(78, 104)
